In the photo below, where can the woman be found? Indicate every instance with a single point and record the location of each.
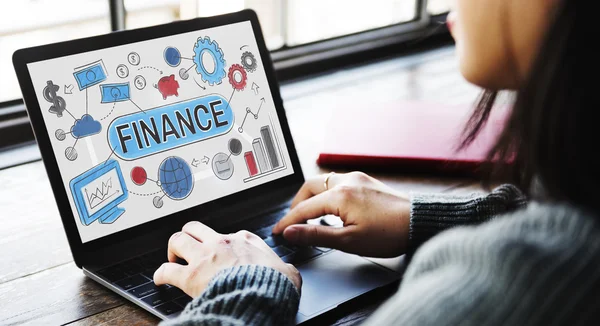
(507, 263)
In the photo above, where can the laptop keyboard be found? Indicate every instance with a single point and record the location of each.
(135, 275)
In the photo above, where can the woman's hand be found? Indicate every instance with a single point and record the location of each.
(208, 252)
(375, 217)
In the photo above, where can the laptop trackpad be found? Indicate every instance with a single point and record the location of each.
(336, 278)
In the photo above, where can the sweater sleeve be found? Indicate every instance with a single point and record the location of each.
(243, 295)
(537, 266)
(433, 213)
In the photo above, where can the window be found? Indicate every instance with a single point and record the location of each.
(300, 33)
(287, 23)
(55, 20)
(437, 7)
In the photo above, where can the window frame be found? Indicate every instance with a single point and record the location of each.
(290, 62)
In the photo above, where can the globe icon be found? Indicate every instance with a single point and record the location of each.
(175, 177)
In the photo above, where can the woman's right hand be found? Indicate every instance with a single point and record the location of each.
(376, 218)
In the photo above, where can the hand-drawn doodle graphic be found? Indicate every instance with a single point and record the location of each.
(115, 92)
(168, 86)
(183, 74)
(249, 112)
(266, 157)
(139, 82)
(237, 77)
(139, 175)
(133, 58)
(97, 193)
(157, 201)
(267, 136)
(222, 166)
(122, 71)
(69, 89)
(249, 61)
(206, 46)
(255, 88)
(71, 153)
(250, 163)
(196, 162)
(58, 103)
(235, 146)
(60, 134)
(86, 126)
(152, 131)
(172, 56)
(175, 178)
(90, 74)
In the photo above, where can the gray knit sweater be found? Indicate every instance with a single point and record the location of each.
(537, 265)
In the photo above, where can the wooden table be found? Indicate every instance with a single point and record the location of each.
(39, 283)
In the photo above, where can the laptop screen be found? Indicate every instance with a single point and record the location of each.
(144, 130)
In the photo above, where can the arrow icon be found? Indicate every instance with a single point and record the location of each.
(150, 67)
(69, 89)
(262, 100)
(243, 46)
(204, 88)
(255, 88)
(205, 160)
(195, 162)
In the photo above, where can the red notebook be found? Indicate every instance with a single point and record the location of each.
(406, 137)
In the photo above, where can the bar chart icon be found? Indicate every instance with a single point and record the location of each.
(261, 158)
(265, 157)
(251, 163)
(265, 132)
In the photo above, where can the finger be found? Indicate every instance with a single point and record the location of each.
(184, 246)
(170, 273)
(317, 235)
(317, 206)
(314, 186)
(200, 231)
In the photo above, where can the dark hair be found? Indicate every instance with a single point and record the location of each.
(550, 134)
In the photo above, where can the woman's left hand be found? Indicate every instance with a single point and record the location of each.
(208, 252)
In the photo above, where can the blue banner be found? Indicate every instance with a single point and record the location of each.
(161, 129)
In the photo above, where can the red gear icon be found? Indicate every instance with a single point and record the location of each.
(237, 85)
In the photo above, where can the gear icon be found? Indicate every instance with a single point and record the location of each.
(249, 61)
(241, 84)
(206, 45)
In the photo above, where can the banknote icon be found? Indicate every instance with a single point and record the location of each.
(90, 74)
(115, 92)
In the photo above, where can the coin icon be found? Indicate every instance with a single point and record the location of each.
(122, 71)
(133, 58)
(139, 82)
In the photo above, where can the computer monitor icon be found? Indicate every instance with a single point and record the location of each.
(98, 191)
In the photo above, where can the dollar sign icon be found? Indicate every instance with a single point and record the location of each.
(58, 103)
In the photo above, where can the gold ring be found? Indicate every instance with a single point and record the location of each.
(326, 182)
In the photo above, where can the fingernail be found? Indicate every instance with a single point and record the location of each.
(291, 234)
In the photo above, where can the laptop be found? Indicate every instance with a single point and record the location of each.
(144, 130)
